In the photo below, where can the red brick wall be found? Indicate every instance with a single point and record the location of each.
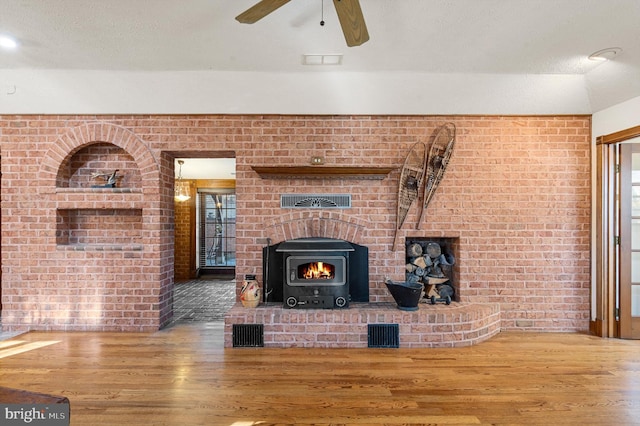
(516, 194)
(183, 226)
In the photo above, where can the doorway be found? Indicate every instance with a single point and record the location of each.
(617, 236)
(204, 261)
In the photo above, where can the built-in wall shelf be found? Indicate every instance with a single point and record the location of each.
(101, 247)
(101, 190)
(322, 172)
(99, 198)
(100, 229)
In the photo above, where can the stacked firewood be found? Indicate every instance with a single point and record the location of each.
(427, 264)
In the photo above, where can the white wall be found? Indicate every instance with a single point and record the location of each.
(200, 92)
(616, 118)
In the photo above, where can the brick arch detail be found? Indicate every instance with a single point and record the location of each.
(86, 134)
(321, 224)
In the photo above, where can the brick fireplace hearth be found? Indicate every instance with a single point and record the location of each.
(458, 324)
(455, 325)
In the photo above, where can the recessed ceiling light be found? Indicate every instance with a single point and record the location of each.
(8, 42)
(605, 54)
(333, 59)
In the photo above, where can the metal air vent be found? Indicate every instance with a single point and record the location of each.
(315, 201)
(248, 335)
(383, 335)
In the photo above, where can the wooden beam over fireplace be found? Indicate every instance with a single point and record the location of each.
(322, 172)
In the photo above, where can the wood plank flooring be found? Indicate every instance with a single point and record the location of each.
(183, 376)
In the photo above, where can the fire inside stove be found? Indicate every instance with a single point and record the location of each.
(317, 271)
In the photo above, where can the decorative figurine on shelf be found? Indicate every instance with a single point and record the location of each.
(111, 179)
(251, 292)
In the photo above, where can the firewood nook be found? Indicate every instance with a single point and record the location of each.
(432, 262)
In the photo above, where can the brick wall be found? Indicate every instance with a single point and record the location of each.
(183, 225)
(516, 195)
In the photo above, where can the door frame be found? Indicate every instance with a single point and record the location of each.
(605, 323)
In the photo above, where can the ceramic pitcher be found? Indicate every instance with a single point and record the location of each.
(251, 293)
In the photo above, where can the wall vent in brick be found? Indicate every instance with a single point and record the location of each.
(248, 335)
(317, 201)
(383, 336)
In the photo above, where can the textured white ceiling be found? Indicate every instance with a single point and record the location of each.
(206, 168)
(470, 37)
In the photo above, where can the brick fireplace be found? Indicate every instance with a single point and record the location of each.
(460, 324)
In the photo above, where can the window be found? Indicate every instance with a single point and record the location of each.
(217, 236)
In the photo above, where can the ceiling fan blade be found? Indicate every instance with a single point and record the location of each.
(351, 21)
(260, 10)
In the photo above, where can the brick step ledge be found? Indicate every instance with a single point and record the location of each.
(431, 326)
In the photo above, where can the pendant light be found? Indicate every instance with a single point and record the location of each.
(182, 190)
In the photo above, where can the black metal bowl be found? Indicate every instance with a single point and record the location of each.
(407, 295)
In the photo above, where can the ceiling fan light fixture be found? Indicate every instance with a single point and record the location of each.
(319, 59)
(605, 54)
(349, 14)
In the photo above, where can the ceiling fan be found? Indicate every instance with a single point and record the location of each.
(349, 14)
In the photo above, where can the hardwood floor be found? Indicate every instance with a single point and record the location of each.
(183, 376)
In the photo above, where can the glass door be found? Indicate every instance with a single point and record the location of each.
(217, 229)
(629, 288)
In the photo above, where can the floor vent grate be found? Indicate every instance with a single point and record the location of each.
(248, 335)
(383, 335)
(315, 201)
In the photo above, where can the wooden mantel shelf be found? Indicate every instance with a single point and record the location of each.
(322, 172)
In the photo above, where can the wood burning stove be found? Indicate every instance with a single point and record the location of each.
(316, 273)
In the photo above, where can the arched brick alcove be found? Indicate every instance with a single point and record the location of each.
(87, 134)
(317, 224)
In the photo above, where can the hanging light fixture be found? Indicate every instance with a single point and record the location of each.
(182, 190)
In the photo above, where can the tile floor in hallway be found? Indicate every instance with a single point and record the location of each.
(201, 300)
